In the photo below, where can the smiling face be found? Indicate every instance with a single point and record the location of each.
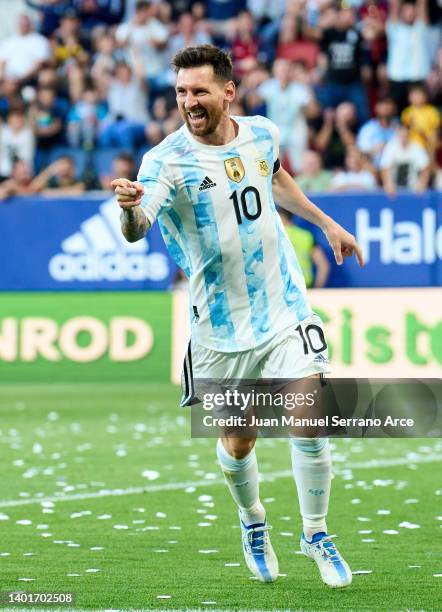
(203, 100)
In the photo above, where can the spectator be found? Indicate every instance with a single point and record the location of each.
(19, 183)
(373, 17)
(122, 165)
(220, 10)
(58, 179)
(187, 36)
(422, 118)
(288, 102)
(67, 43)
(22, 55)
(313, 177)
(10, 96)
(408, 38)
(47, 120)
(341, 60)
(404, 164)
(50, 13)
(335, 132)
(355, 177)
(127, 104)
(104, 62)
(294, 45)
(16, 142)
(83, 120)
(146, 39)
(245, 44)
(374, 135)
(311, 257)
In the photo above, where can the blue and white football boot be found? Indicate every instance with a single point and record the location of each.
(258, 551)
(335, 572)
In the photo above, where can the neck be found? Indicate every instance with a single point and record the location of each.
(225, 132)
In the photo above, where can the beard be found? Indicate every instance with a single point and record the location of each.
(207, 125)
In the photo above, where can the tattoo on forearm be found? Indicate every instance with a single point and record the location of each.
(134, 224)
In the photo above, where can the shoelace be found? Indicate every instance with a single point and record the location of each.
(255, 539)
(328, 550)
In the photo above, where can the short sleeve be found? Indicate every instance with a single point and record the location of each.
(159, 188)
(387, 157)
(364, 138)
(274, 132)
(420, 157)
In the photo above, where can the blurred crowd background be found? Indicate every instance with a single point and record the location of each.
(355, 87)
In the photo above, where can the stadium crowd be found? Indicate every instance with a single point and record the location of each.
(355, 88)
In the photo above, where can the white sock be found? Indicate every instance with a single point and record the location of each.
(311, 463)
(242, 479)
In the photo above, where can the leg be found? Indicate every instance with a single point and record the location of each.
(311, 463)
(237, 459)
(238, 463)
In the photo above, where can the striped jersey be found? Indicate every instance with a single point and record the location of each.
(215, 208)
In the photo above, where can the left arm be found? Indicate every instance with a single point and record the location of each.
(288, 195)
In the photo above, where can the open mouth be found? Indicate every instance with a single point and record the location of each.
(197, 117)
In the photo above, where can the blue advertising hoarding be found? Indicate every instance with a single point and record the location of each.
(76, 244)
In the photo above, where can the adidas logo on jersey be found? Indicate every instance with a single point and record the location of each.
(206, 184)
(97, 251)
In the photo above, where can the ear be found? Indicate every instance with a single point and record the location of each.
(229, 91)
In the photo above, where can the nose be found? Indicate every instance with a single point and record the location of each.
(190, 101)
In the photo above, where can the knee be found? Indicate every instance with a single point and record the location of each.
(310, 446)
(238, 448)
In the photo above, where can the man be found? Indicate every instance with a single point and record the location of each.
(211, 185)
(409, 43)
(404, 164)
(377, 132)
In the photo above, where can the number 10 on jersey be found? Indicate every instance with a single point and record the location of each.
(241, 204)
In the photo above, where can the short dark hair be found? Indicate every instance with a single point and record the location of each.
(202, 55)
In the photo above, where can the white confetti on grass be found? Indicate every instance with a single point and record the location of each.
(4, 517)
(208, 551)
(5, 554)
(408, 525)
(161, 515)
(359, 572)
(364, 519)
(414, 566)
(26, 579)
(92, 570)
(204, 524)
(368, 540)
(288, 534)
(73, 575)
(164, 596)
(386, 512)
(390, 531)
(104, 517)
(208, 603)
(150, 474)
(121, 526)
(97, 548)
(232, 564)
(411, 501)
(365, 531)
(205, 498)
(23, 522)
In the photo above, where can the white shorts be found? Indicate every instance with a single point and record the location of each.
(293, 353)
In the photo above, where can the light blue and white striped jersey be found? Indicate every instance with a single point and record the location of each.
(216, 212)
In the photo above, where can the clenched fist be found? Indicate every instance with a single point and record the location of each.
(129, 193)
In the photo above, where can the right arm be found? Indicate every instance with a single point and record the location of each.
(134, 223)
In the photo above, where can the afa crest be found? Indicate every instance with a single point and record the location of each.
(234, 169)
(263, 167)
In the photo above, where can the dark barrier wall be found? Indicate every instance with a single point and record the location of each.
(76, 244)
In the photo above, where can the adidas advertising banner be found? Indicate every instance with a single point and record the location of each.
(401, 238)
(375, 333)
(85, 337)
(76, 244)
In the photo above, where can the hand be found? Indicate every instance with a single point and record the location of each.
(129, 193)
(342, 243)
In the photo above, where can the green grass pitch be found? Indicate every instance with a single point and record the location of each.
(105, 494)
